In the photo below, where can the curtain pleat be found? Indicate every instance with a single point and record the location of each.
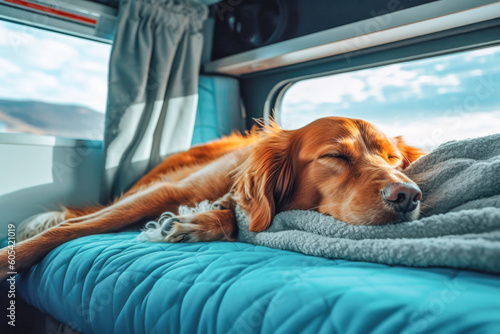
(152, 93)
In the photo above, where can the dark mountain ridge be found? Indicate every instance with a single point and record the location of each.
(51, 119)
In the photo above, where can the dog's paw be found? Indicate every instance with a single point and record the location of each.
(179, 229)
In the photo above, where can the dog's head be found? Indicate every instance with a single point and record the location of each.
(342, 167)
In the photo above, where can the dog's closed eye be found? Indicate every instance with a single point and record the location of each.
(339, 156)
(393, 156)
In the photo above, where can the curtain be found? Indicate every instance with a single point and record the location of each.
(152, 88)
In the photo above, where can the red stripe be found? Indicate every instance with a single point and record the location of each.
(53, 11)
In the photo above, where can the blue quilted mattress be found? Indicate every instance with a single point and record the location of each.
(114, 284)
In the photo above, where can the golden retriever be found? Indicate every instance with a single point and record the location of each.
(342, 167)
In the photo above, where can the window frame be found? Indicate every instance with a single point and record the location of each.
(102, 32)
(275, 100)
(280, 95)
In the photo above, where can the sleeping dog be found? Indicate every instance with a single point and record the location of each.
(342, 167)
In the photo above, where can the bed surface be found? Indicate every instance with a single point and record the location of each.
(113, 283)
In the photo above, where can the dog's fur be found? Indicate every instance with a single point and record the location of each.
(336, 166)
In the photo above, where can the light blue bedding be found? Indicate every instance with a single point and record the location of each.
(114, 284)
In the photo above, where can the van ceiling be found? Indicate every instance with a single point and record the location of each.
(242, 25)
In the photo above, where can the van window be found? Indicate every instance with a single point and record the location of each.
(428, 101)
(51, 83)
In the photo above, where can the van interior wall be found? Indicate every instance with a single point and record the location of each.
(35, 178)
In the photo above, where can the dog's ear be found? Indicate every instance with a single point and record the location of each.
(410, 153)
(264, 182)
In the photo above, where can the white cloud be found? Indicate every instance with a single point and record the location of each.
(439, 82)
(35, 84)
(477, 54)
(7, 67)
(99, 52)
(385, 77)
(361, 85)
(94, 66)
(78, 88)
(439, 67)
(433, 131)
(49, 55)
(52, 67)
(355, 86)
(326, 89)
(476, 73)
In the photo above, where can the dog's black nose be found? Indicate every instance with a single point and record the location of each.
(403, 197)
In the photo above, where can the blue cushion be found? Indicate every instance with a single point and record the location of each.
(219, 110)
(113, 283)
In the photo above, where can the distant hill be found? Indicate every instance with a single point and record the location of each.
(51, 119)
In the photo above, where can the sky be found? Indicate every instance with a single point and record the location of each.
(428, 101)
(40, 65)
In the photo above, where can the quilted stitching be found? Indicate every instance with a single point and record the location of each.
(112, 283)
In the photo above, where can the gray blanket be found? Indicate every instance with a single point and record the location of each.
(459, 226)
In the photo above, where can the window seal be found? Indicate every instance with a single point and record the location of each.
(28, 139)
(104, 16)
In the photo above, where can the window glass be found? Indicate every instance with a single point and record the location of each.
(429, 101)
(51, 83)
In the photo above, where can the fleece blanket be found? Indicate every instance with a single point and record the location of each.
(459, 226)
